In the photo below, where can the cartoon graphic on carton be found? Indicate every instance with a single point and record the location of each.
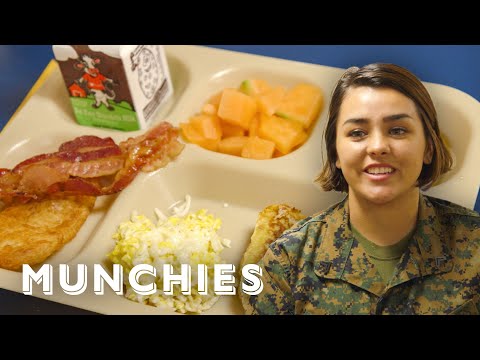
(106, 90)
(95, 82)
(77, 91)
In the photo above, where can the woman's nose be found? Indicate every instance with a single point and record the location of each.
(378, 144)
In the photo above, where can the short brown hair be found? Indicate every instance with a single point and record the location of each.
(394, 77)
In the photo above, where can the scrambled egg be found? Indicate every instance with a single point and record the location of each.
(183, 238)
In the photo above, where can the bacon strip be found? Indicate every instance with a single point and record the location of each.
(86, 141)
(89, 165)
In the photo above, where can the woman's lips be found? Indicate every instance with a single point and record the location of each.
(380, 176)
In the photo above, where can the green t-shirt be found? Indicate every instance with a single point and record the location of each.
(384, 258)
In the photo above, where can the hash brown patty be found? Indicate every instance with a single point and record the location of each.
(30, 233)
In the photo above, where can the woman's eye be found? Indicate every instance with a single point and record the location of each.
(356, 133)
(398, 131)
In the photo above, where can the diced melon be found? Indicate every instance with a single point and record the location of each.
(285, 133)
(257, 148)
(232, 145)
(256, 120)
(229, 130)
(269, 101)
(192, 135)
(301, 139)
(277, 153)
(215, 99)
(254, 124)
(207, 125)
(237, 108)
(209, 109)
(254, 87)
(302, 103)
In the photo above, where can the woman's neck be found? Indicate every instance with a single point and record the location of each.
(384, 224)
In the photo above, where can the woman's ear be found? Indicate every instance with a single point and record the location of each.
(428, 156)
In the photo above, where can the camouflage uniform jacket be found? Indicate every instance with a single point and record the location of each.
(318, 267)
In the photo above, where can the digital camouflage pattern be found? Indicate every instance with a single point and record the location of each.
(318, 267)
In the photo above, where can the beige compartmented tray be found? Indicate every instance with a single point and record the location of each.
(232, 188)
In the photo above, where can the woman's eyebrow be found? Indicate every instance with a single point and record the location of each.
(396, 117)
(393, 117)
(355, 121)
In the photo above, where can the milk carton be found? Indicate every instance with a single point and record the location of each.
(115, 86)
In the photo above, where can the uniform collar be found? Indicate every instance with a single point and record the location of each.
(429, 253)
(340, 256)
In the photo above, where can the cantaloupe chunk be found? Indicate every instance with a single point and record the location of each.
(256, 120)
(192, 135)
(232, 145)
(237, 108)
(302, 103)
(301, 139)
(229, 130)
(209, 109)
(254, 87)
(215, 99)
(285, 133)
(257, 148)
(277, 153)
(254, 124)
(207, 125)
(269, 100)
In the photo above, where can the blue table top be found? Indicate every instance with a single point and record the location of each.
(453, 65)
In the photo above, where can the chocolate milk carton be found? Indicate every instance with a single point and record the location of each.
(115, 86)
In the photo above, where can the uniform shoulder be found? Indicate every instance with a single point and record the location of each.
(448, 208)
(309, 228)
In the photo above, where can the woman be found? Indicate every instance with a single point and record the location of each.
(386, 248)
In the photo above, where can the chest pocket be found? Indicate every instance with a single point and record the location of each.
(468, 308)
(332, 297)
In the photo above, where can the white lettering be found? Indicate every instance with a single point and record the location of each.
(222, 280)
(64, 279)
(202, 279)
(251, 284)
(184, 279)
(134, 278)
(44, 274)
(100, 276)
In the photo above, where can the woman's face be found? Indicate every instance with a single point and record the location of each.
(381, 144)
